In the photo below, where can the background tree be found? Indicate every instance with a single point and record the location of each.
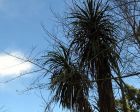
(128, 12)
(133, 98)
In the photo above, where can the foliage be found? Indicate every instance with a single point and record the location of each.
(133, 98)
(69, 83)
(93, 38)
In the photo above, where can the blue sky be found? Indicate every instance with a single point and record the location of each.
(20, 33)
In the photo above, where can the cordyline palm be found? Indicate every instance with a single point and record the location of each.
(69, 83)
(93, 39)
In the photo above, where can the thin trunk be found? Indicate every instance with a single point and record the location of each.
(121, 85)
(125, 105)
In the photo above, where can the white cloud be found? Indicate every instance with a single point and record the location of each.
(11, 66)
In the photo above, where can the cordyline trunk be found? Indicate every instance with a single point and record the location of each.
(104, 84)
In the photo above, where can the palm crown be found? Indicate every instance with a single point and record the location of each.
(70, 84)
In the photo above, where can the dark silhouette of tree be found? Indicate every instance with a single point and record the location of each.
(94, 40)
(69, 83)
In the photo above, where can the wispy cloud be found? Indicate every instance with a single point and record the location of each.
(12, 66)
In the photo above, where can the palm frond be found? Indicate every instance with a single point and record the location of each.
(69, 84)
(93, 32)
